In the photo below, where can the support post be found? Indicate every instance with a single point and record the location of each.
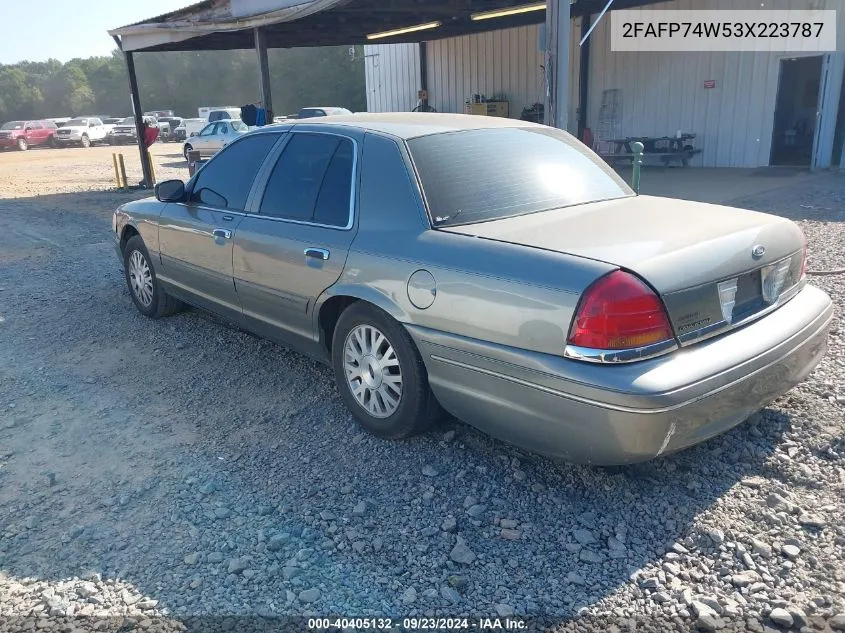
(424, 76)
(584, 77)
(637, 148)
(117, 181)
(557, 62)
(263, 72)
(152, 167)
(139, 120)
(122, 166)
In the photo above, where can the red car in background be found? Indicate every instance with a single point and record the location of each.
(25, 134)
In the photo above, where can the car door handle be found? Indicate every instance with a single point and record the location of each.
(317, 253)
(225, 234)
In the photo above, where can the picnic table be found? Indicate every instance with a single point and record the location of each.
(666, 148)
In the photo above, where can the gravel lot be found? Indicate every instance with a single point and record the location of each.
(154, 473)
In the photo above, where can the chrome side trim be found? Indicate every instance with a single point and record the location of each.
(589, 355)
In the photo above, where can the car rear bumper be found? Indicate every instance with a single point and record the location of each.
(617, 414)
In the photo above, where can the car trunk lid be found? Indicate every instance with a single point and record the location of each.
(709, 263)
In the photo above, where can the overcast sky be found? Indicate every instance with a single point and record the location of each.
(64, 29)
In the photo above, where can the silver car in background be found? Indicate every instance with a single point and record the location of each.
(214, 137)
(495, 268)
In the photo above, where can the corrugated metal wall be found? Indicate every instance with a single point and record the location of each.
(503, 63)
(661, 92)
(506, 62)
(393, 77)
(664, 92)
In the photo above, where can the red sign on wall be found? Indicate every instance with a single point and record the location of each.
(710, 83)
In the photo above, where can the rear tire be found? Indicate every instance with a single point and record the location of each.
(380, 374)
(147, 294)
(23, 144)
(85, 142)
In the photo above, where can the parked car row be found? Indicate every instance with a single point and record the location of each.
(25, 134)
(84, 131)
(208, 134)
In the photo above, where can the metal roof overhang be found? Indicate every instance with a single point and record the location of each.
(229, 24)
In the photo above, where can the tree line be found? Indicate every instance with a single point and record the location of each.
(182, 81)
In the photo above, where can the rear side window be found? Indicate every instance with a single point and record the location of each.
(312, 181)
(481, 175)
(226, 180)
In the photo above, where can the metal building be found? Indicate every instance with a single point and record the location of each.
(747, 109)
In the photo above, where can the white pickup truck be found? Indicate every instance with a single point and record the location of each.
(82, 131)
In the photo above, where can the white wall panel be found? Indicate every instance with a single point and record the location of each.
(661, 92)
(393, 77)
(664, 92)
(503, 63)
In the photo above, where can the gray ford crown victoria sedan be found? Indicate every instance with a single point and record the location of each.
(494, 268)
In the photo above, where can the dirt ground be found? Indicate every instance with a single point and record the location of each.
(39, 172)
(183, 468)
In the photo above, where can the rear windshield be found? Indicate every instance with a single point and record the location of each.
(480, 175)
(12, 125)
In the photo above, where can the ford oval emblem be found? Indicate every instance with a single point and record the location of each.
(758, 251)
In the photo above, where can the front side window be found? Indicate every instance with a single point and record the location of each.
(481, 175)
(224, 182)
(208, 130)
(312, 181)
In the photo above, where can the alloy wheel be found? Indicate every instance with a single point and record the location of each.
(141, 278)
(372, 369)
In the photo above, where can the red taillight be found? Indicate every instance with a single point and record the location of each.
(619, 312)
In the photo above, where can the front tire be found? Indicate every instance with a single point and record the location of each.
(23, 144)
(85, 142)
(380, 374)
(149, 297)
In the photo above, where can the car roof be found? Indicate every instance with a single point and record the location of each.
(408, 125)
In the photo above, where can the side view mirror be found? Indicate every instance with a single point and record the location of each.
(170, 191)
(193, 134)
(27, 129)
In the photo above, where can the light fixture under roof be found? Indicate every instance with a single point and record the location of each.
(403, 31)
(500, 13)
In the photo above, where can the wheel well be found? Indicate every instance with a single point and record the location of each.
(329, 315)
(128, 233)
